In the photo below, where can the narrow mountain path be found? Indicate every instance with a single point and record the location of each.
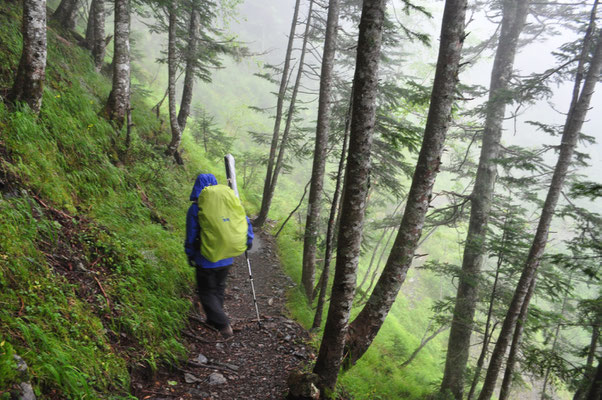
(255, 363)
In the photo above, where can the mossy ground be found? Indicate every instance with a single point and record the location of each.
(79, 210)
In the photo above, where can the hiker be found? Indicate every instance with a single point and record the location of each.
(210, 276)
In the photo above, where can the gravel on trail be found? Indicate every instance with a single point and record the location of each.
(256, 362)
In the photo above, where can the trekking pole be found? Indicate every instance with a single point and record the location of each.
(231, 176)
(253, 288)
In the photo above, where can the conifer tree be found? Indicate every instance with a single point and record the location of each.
(364, 328)
(355, 192)
(266, 198)
(582, 93)
(514, 16)
(29, 82)
(119, 99)
(319, 161)
(66, 12)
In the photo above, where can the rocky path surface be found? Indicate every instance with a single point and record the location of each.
(255, 363)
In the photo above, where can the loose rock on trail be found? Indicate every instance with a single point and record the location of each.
(255, 363)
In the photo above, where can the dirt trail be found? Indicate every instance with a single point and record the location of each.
(256, 362)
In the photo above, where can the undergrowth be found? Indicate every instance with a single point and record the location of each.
(93, 280)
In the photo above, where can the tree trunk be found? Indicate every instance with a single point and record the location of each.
(119, 98)
(514, 347)
(314, 205)
(89, 42)
(98, 46)
(290, 215)
(172, 67)
(267, 197)
(364, 328)
(193, 35)
(488, 334)
(574, 122)
(357, 176)
(556, 337)
(595, 389)
(29, 82)
(332, 223)
(589, 369)
(65, 13)
(266, 200)
(514, 17)
(425, 340)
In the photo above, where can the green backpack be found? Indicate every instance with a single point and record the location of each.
(223, 223)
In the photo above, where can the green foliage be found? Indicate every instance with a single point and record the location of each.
(80, 329)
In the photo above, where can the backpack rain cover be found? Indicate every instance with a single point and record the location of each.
(223, 223)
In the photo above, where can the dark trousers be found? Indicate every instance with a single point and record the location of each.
(211, 284)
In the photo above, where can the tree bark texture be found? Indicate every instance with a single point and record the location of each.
(546, 377)
(595, 389)
(89, 42)
(98, 46)
(65, 13)
(172, 69)
(515, 345)
(312, 223)
(267, 197)
(364, 328)
(488, 329)
(513, 20)
(589, 365)
(332, 218)
(574, 122)
(119, 98)
(356, 187)
(191, 50)
(29, 82)
(265, 204)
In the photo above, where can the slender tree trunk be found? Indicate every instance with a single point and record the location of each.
(191, 53)
(29, 82)
(332, 224)
(119, 98)
(425, 340)
(589, 365)
(377, 269)
(172, 69)
(294, 210)
(514, 17)
(290, 115)
(266, 199)
(574, 122)
(314, 204)
(98, 46)
(556, 337)
(375, 250)
(89, 42)
(364, 328)
(372, 259)
(487, 335)
(357, 177)
(595, 389)
(515, 345)
(65, 13)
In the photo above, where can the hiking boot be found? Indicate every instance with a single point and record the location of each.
(227, 332)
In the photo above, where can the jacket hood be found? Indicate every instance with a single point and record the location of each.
(202, 181)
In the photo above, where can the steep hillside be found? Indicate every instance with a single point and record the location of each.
(93, 280)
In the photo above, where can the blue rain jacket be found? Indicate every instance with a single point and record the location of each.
(193, 229)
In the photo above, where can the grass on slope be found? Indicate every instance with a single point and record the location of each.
(69, 187)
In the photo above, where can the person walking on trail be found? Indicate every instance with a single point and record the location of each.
(211, 273)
